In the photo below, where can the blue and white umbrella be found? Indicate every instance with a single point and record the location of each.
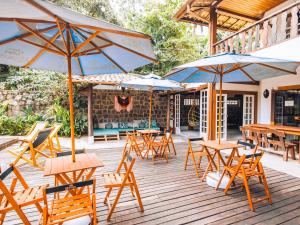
(230, 67)
(40, 35)
(151, 84)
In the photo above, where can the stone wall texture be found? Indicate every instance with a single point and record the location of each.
(104, 107)
(18, 101)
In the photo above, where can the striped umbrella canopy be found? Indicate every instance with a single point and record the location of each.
(151, 83)
(230, 67)
(40, 35)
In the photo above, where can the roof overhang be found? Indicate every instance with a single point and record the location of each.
(232, 15)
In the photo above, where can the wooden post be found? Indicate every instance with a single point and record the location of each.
(212, 30)
(70, 85)
(211, 112)
(150, 109)
(220, 109)
(168, 112)
(90, 115)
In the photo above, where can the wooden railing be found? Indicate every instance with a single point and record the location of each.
(276, 28)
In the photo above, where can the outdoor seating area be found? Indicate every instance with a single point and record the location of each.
(110, 150)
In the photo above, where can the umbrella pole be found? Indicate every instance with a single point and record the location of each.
(70, 85)
(220, 109)
(150, 109)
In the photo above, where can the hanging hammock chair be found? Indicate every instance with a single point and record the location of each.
(194, 115)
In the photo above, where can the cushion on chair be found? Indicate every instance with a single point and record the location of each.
(141, 124)
(153, 123)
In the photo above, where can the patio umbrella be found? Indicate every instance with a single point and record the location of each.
(151, 84)
(40, 35)
(230, 67)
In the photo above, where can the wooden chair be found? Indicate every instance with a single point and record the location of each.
(196, 155)
(246, 146)
(34, 130)
(120, 180)
(261, 137)
(69, 208)
(65, 153)
(170, 141)
(54, 136)
(278, 140)
(32, 149)
(10, 199)
(133, 144)
(244, 171)
(247, 134)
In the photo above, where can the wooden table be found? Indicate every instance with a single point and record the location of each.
(148, 139)
(217, 148)
(66, 172)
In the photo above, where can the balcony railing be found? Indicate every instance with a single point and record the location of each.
(276, 28)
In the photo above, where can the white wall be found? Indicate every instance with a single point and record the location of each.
(238, 87)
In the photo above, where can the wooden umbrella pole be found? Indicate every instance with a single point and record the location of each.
(150, 108)
(220, 109)
(70, 85)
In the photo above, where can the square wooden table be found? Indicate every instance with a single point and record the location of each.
(217, 148)
(67, 172)
(148, 139)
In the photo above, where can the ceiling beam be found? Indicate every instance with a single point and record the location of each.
(239, 15)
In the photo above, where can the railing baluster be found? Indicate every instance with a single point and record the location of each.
(273, 38)
(256, 40)
(249, 47)
(231, 44)
(226, 46)
(282, 29)
(237, 44)
(264, 37)
(243, 42)
(294, 22)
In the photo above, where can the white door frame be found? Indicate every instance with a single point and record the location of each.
(248, 113)
(203, 123)
(224, 117)
(177, 113)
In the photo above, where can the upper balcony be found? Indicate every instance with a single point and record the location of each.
(278, 27)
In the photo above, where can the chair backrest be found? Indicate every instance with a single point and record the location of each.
(252, 159)
(246, 144)
(40, 125)
(9, 190)
(278, 138)
(69, 187)
(193, 140)
(80, 151)
(126, 158)
(42, 136)
(55, 128)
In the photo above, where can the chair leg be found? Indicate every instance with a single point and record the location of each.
(186, 159)
(107, 195)
(111, 210)
(137, 193)
(230, 182)
(293, 156)
(248, 191)
(264, 179)
(220, 180)
(2, 217)
(22, 216)
(195, 164)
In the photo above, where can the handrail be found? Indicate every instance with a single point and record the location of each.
(263, 20)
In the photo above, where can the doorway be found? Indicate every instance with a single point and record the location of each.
(234, 116)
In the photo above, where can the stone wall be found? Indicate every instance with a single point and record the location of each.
(18, 101)
(104, 108)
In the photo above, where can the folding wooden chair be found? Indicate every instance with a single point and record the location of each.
(246, 146)
(120, 180)
(170, 141)
(65, 209)
(34, 130)
(133, 144)
(54, 136)
(32, 149)
(10, 199)
(247, 134)
(195, 155)
(244, 171)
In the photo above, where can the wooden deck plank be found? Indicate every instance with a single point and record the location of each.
(171, 195)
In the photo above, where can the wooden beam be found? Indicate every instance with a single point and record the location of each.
(90, 111)
(212, 30)
(26, 35)
(38, 55)
(168, 111)
(73, 45)
(87, 40)
(38, 35)
(42, 47)
(61, 33)
(216, 3)
(289, 87)
(100, 51)
(240, 16)
(277, 68)
(118, 45)
(92, 49)
(247, 75)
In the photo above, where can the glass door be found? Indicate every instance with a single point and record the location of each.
(177, 113)
(223, 117)
(248, 109)
(203, 113)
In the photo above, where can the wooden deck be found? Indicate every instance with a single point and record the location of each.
(173, 196)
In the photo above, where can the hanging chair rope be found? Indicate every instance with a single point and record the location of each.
(194, 114)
